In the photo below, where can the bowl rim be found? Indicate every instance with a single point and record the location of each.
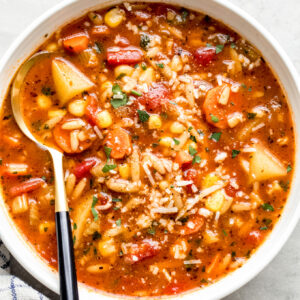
(52, 280)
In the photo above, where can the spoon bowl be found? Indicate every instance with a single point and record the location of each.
(67, 272)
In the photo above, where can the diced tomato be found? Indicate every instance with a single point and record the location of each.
(83, 169)
(205, 55)
(26, 187)
(156, 98)
(254, 238)
(141, 250)
(217, 113)
(183, 158)
(175, 288)
(124, 56)
(193, 225)
(192, 174)
(100, 30)
(119, 141)
(142, 16)
(92, 109)
(14, 169)
(76, 43)
(230, 190)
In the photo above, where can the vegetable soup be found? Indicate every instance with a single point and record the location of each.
(179, 149)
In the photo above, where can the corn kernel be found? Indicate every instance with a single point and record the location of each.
(209, 180)
(177, 128)
(107, 247)
(44, 102)
(114, 17)
(163, 185)
(123, 70)
(166, 142)
(56, 113)
(148, 76)
(52, 47)
(47, 227)
(104, 119)
(124, 170)
(19, 204)
(77, 108)
(154, 122)
(215, 201)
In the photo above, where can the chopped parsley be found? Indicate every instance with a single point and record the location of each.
(193, 138)
(143, 115)
(94, 211)
(116, 200)
(215, 136)
(107, 151)
(46, 91)
(74, 226)
(263, 228)
(154, 145)
(192, 151)
(196, 159)
(284, 185)
(177, 142)
(232, 45)
(235, 153)
(184, 15)
(219, 48)
(214, 118)
(160, 65)
(119, 98)
(289, 169)
(99, 47)
(190, 128)
(224, 232)
(144, 66)
(121, 76)
(136, 93)
(145, 41)
(251, 115)
(267, 207)
(118, 222)
(151, 231)
(108, 168)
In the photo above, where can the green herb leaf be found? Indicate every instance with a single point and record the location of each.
(192, 151)
(235, 153)
(108, 168)
(46, 91)
(143, 115)
(136, 93)
(151, 231)
(116, 200)
(121, 76)
(177, 142)
(193, 138)
(284, 185)
(74, 226)
(119, 98)
(219, 48)
(154, 145)
(263, 228)
(224, 232)
(107, 151)
(99, 47)
(251, 115)
(232, 45)
(267, 207)
(289, 169)
(118, 222)
(208, 45)
(196, 159)
(144, 66)
(215, 136)
(95, 213)
(160, 65)
(184, 15)
(145, 41)
(214, 118)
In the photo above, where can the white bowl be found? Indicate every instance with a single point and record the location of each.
(273, 54)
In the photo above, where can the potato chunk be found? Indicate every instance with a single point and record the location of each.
(264, 165)
(68, 80)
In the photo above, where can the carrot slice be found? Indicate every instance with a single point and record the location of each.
(193, 225)
(76, 43)
(62, 139)
(217, 113)
(25, 187)
(119, 141)
(214, 263)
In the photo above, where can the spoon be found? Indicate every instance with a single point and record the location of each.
(67, 271)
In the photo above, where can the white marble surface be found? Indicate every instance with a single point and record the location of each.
(281, 279)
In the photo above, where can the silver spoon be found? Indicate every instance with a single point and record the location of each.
(67, 271)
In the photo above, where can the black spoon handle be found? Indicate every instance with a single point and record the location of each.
(67, 271)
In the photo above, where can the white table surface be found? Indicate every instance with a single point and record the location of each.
(281, 279)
